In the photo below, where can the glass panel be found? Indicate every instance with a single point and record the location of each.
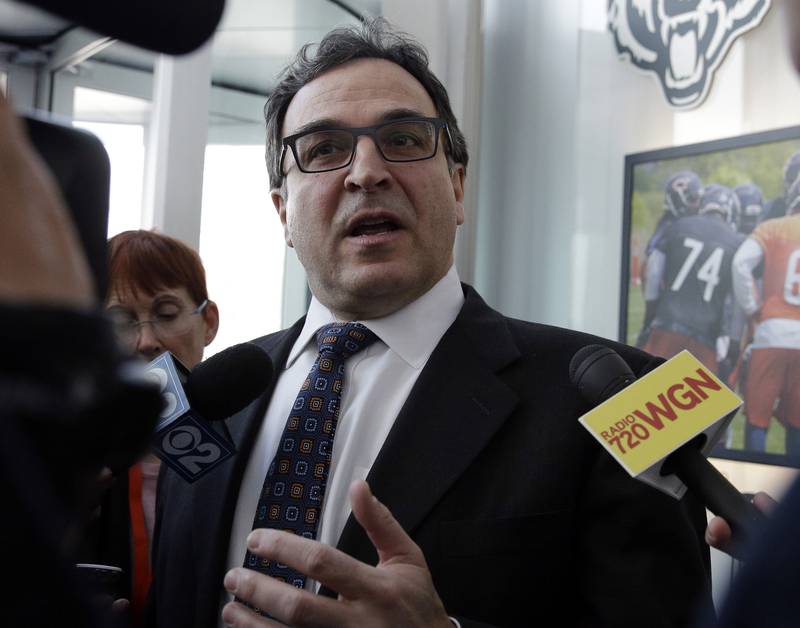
(241, 242)
(119, 122)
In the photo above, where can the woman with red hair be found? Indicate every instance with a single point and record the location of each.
(157, 301)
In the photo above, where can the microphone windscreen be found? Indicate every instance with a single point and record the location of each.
(228, 381)
(579, 361)
(599, 372)
(174, 28)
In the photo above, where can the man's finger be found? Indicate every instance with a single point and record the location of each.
(281, 601)
(386, 534)
(764, 502)
(238, 615)
(120, 606)
(333, 568)
(718, 534)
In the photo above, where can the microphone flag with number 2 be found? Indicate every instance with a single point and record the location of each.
(183, 439)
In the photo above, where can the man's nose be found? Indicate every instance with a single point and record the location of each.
(369, 170)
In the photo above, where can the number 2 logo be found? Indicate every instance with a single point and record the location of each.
(187, 439)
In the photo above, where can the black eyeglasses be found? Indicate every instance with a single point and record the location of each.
(408, 139)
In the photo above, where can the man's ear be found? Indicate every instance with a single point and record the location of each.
(457, 175)
(211, 317)
(279, 201)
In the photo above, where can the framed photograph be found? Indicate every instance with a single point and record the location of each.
(688, 211)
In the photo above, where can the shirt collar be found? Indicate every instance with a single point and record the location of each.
(412, 332)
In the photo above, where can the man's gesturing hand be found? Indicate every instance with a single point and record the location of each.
(397, 592)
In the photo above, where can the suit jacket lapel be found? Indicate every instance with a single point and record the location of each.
(454, 409)
(216, 494)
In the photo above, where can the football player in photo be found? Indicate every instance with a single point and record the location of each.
(774, 306)
(689, 280)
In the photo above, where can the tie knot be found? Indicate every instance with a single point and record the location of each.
(344, 339)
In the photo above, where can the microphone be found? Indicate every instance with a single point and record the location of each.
(216, 389)
(169, 27)
(242, 372)
(601, 376)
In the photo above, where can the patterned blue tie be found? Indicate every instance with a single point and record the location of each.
(294, 488)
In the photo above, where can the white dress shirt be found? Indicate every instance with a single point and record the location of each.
(378, 380)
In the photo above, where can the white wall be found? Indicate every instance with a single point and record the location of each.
(527, 161)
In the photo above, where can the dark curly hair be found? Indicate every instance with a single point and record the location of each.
(372, 39)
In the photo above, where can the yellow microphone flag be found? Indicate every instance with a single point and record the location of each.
(645, 422)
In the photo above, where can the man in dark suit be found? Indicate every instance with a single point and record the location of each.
(495, 507)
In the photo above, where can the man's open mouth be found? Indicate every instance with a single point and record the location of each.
(373, 227)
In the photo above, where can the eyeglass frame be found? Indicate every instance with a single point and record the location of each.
(290, 142)
(155, 325)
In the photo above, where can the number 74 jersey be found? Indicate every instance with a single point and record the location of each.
(780, 241)
(696, 277)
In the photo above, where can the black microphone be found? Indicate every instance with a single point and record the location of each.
(598, 372)
(228, 381)
(169, 27)
(216, 389)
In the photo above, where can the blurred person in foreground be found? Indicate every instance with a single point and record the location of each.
(157, 301)
(496, 507)
(65, 404)
(71, 401)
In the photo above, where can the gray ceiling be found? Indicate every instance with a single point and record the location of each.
(255, 40)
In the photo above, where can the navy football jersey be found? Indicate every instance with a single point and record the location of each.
(665, 221)
(697, 276)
